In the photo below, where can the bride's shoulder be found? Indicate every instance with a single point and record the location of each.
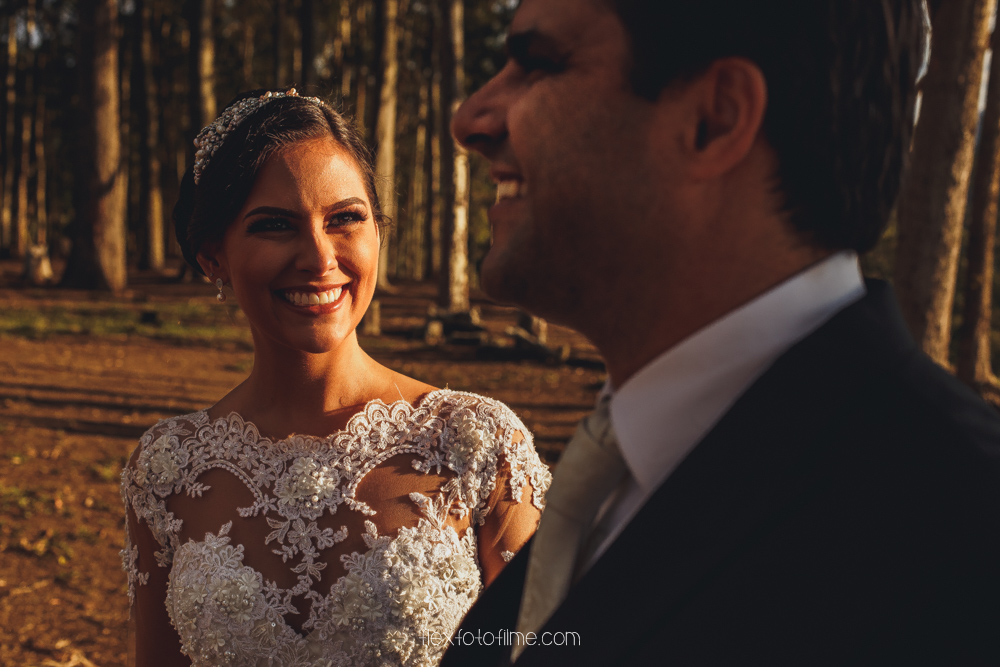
(483, 438)
(455, 407)
(167, 434)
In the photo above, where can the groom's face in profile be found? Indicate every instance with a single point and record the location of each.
(566, 138)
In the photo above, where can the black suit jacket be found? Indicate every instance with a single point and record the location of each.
(845, 511)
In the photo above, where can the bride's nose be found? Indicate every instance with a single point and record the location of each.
(317, 253)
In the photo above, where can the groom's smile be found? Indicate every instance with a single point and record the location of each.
(565, 136)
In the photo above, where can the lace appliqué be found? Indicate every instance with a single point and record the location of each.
(403, 588)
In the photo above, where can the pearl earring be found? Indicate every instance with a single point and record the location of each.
(221, 296)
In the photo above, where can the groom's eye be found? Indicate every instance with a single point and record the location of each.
(532, 63)
(533, 52)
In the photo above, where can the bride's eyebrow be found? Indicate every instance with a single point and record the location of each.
(350, 201)
(287, 213)
(271, 210)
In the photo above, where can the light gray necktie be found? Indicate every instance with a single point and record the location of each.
(590, 468)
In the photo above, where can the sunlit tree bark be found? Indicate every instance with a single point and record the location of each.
(432, 201)
(454, 295)
(974, 367)
(933, 198)
(249, 34)
(385, 133)
(307, 49)
(98, 257)
(414, 246)
(361, 101)
(343, 66)
(9, 157)
(41, 165)
(22, 236)
(278, 41)
(177, 128)
(202, 82)
(151, 194)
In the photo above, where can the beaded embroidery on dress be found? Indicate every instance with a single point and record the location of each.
(400, 584)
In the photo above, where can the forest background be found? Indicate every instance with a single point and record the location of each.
(102, 99)
(103, 330)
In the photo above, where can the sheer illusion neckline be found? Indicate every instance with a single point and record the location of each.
(410, 568)
(360, 419)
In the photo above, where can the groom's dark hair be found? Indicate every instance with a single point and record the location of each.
(841, 79)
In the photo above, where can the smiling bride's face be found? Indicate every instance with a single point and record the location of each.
(301, 256)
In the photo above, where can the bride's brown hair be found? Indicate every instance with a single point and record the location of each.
(204, 209)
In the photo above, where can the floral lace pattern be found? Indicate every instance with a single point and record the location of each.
(396, 593)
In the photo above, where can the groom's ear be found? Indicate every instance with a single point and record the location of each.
(729, 100)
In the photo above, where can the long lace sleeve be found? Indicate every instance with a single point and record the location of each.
(501, 479)
(155, 471)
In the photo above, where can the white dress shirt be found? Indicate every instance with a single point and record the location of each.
(669, 405)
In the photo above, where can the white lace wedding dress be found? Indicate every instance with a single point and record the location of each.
(359, 548)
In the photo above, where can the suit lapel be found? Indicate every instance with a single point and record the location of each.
(747, 472)
(744, 476)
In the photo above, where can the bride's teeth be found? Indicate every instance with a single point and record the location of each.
(508, 190)
(314, 298)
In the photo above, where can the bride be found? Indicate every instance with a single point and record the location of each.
(328, 510)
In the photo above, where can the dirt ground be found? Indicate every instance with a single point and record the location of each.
(73, 405)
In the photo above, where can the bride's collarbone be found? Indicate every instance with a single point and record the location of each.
(279, 423)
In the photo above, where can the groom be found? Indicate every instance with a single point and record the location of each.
(775, 474)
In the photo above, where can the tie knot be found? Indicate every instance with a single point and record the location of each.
(589, 468)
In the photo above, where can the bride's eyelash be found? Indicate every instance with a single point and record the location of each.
(276, 224)
(348, 217)
(268, 225)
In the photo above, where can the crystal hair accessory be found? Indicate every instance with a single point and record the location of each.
(212, 136)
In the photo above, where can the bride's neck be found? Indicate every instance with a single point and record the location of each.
(289, 390)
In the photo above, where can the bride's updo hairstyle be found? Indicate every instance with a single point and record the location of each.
(205, 208)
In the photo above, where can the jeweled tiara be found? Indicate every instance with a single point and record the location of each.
(212, 136)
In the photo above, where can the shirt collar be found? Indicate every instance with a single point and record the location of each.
(669, 405)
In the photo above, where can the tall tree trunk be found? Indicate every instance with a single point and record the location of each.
(933, 198)
(172, 105)
(278, 39)
(374, 67)
(10, 88)
(343, 67)
(98, 256)
(248, 50)
(454, 289)
(361, 101)
(307, 45)
(22, 236)
(361, 97)
(414, 248)
(974, 367)
(385, 133)
(432, 165)
(41, 168)
(151, 194)
(202, 82)
(126, 115)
